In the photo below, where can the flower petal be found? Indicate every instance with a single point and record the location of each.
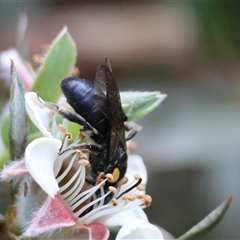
(136, 166)
(40, 156)
(40, 115)
(98, 231)
(13, 170)
(139, 229)
(51, 216)
(119, 219)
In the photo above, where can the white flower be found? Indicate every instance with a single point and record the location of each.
(70, 201)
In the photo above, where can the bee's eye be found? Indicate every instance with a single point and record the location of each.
(116, 175)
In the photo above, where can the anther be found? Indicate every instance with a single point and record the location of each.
(137, 176)
(141, 187)
(84, 162)
(147, 200)
(114, 202)
(69, 136)
(109, 176)
(81, 155)
(81, 136)
(61, 128)
(130, 197)
(112, 189)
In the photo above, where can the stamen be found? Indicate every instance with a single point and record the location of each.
(114, 202)
(112, 189)
(109, 176)
(66, 171)
(81, 155)
(147, 200)
(69, 136)
(132, 187)
(75, 190)
(130, 197)
(137, 176)
(100, 177)
(141, 187)
(89, 195)
(81, 136)
(68, 183)
(84, 162)
(61, 128)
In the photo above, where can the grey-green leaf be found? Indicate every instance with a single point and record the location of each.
(18, 116)
(59, 63)
(208, 222)
(139, 104)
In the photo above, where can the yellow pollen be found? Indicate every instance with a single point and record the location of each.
(115, 175)
(61, 128)
(114, 202)
(84, 162)
(109, 177)
(68, 136)
(112, 189)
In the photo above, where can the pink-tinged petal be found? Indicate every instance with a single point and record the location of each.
(22, 70)
(98, 231)
(13, 170)
(40, 115)
(139, 229)
(40, 156)
(51, 216)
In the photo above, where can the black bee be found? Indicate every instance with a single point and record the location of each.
(97, 107)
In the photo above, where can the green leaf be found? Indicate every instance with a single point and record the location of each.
(208, 222)
(138, 104)
(59, 63)
(18, 116)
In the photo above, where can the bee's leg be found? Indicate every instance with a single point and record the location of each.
(84, 147)
(132, 128)
(69, 114)
(72, 116)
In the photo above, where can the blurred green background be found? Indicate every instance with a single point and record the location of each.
(189, 50)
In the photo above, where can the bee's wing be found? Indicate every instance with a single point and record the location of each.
(116, 115)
